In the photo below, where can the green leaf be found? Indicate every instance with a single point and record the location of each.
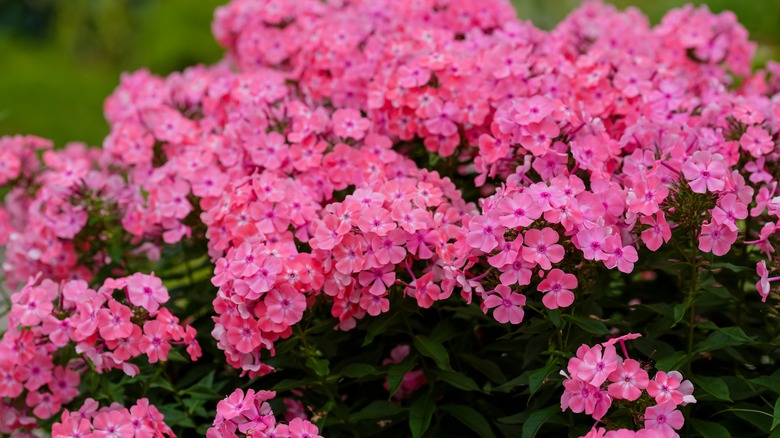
(731, 267)
(488, 368)
(714, 386)
(471, 418)
(377, 409)
(320, 366)
(378, 326)
(288, 384)
(201, 392)
(722, 338)
(679, 313)
(175, 356)
(776, 415)
(588, 324)
(396, 373)
(536, 378)
(420, 414)
(710, 429)
(520, 380)
(358, 370)
(164, 384)
(537, 419)
(770, 382)
(458, 380)
(671, 362)
(433, 349)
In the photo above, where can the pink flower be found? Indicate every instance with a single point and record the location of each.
(412, 77)
(114, 322)
(518, 211)
(629, 379)
(379, 279)
(508, 304)
(235, 404)
(593, 243)
(485, 232)
(298, 428)
(756, 141)
(663, 387)
(146, 291)
(647, 195)
(705, 171)
(664, 417)
(285, 305)
(541, 248)
(243, 334)
(728, 211)
(763, 286)
(113, 424)
(557, 286)
(348, 123)
(155, 341)
(716, 238)
(658, 231)
(593, 365)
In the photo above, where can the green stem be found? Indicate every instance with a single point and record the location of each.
(692, 300)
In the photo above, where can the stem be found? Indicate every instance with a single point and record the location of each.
(692, 300)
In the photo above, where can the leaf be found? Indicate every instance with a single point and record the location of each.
(731, 267)
(536, 378)
(320, 366)
(288, 384)
(722, 338)
(769, 382)
(776, 415)
(375, 410)
(710, 429)
(396, 373)
(358, 370)
(520, 380)
(714, 386)
(588, 324)
(679, 313)
(201, 392)
(420, 414)
(378, 326)
(164, 384)
(537, 419)
(471, 418)
(487, 367)
(671, 362)
(433, 349)
(458, 380)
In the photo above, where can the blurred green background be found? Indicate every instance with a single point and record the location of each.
(60, 58)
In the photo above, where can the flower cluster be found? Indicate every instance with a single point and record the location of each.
(107, 327)
(249, 415)
(346, 154)
(142, 420)
(599, 378)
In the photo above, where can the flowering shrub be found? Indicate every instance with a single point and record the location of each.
(398, 212)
